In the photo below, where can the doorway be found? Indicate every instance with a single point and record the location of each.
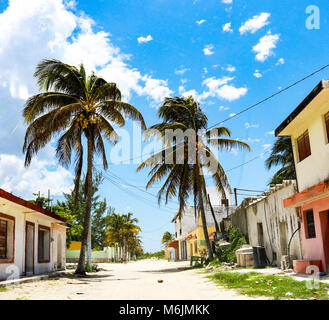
(59, 252)
(324, 223)
(283, 238)
(29, 248)
(260, 234)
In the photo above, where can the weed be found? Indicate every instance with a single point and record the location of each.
(278, 287)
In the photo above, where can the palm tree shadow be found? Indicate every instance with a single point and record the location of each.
(170, 270)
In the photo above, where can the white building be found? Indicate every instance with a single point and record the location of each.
(266, 222)
(189, 219)
(32, 239)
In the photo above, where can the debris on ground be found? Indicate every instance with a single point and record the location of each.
(160, 281)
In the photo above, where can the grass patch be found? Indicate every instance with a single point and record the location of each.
(257, 284)
(4, 289)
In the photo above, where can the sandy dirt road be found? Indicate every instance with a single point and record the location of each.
(134, 280)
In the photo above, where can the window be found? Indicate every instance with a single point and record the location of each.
(326, 120)
(304, 147)
(195, 246)
(3, 238)
(310, 227)
(7, 227)
(43, 244)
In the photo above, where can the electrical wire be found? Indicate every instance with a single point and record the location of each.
(240, 112)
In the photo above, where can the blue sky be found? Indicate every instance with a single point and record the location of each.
(228, 55)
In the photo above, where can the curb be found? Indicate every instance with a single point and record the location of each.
(15, 282)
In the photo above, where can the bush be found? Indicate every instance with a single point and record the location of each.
(158, 255)
(236, 239)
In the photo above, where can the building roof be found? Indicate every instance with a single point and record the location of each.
(10, 197)
(321, 85)
(273, 189)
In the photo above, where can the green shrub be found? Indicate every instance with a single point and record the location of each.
(236, 239)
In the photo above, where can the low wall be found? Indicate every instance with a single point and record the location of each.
(108, 254)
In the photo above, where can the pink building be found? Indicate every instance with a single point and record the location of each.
(308, 128)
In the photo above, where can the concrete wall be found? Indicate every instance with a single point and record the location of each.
(108, 254)
(278, 223)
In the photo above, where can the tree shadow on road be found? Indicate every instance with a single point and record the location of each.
(169, 270)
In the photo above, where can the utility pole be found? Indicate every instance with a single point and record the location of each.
(235, 197)
(213, 215)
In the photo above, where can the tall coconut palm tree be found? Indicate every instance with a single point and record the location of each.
(73, 106)
(185, 177)
(282, 155)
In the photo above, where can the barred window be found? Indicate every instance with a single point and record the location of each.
(3, 238)
(310, 226)
(304, 147)
(7, 239)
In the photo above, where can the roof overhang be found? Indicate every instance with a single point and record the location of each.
(317, 97)
(10, 201)
(308, 195)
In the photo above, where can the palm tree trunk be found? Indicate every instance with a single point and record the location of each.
(86, 226)
(204, 226)
(89, 254)
(213, 215)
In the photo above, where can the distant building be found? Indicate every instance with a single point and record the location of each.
(189, 221)
(308, 128)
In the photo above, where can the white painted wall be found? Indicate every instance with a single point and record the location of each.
(271, 213)
(315, 168)
(16, 269)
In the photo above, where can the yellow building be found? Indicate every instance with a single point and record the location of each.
(75, 245)
(196, 242)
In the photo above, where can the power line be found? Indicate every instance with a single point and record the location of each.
(239, 113)
(271, 96)
(253, 159)
(138, 197)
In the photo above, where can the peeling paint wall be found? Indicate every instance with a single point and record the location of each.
(266, 222)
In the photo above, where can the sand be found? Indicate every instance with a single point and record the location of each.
(130, 281)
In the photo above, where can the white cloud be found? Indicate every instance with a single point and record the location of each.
(213, 83)
(181, 71)
(257, 74)
(230, 68)
(230, 93)
(255, 23)
(145, 39)
(207, 50)
(38, 29)
(232, 115)
(227, 27)
(264, 48)
(219, 88)
(251, 140)
(248, 125)
(271, 133)
(280, 61)
(227, 1)
(200, 21)
(41, 175)
(222, 108)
